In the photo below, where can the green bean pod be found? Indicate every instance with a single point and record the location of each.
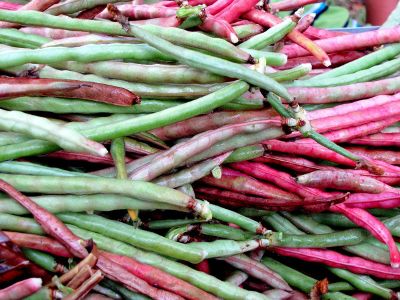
(334, 239)
(169, 223)
(245, 153)
(269, 37)
(140, 190)
(271, 58)
(20, 224)
(8, 138)
(363, 283)
(73, 6)
(44, 260)
(291, 74)
(42, 128)
(27, 168)
(15, 38)
(87, 53)
(64, 106)
(124, 292)
(71, 203)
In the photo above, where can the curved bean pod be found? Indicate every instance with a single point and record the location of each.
(44, 129)
(72, 6)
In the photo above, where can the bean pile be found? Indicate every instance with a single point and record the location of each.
(200, 149)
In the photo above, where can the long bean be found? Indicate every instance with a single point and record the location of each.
(63, 105)
(70, 203)
(73, 6)
(155, 73)
(88, 53)
(144, 191)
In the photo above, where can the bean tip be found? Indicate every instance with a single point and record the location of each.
(327, 62)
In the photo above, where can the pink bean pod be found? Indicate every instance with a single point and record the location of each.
(386, 200)
(141, 12)
(74, 156)
(159, 278)
(9, 5)
(365, 220)
(237, 8)
(15, 87)
(117, 272)
(343, 109)
(209, 121)
(305, 22)
(378, 139)
(336, 60)
(388, 156)
(281, 179)
(355, 91)
(239, 182)
(298, 164)
(310, 150)
(91, 13)
(53, 33)
(21, 289)
(220, 27)
(164, 22)
(343, 180)
(355, 118)
(289, 4)
(38, 242)
(349, 42)
(351, 133)
(320, 33)
(337, 260)
(234, 199)
(217, 6)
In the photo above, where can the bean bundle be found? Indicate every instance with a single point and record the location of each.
(185, 150)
